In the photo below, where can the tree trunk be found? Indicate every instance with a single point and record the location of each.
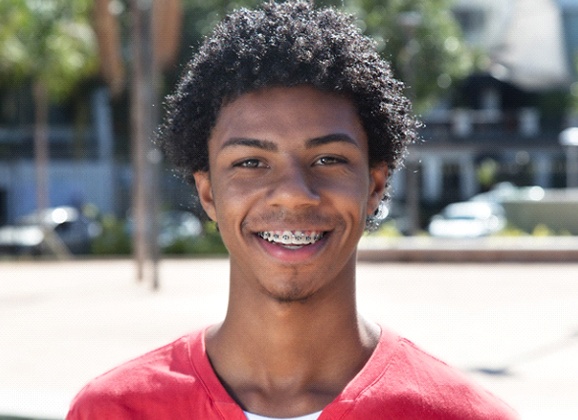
(143, 121)
(107, 31)
(52, 242)
(167, 24)
(41, 146)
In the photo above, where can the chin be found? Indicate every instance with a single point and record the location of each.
(288, 299)
(292, 293)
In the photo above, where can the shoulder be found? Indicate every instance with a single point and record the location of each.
(162, 375)
(412, 384)
(450, 388)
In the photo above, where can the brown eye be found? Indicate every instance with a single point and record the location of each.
(329, 160)
(249, 163)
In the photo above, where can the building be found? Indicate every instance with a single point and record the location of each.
(530, 43)
(502, 114)
(82, 168)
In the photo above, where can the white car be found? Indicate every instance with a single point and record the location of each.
(31, 233)
(468, 219)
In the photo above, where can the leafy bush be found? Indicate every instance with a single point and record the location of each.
(113, 240)
(387, 229)
(209, 243)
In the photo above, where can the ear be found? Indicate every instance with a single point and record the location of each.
(205, 192)
(378, 175)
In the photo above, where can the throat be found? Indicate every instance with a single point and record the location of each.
(304, 363)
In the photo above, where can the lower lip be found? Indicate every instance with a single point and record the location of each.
(292, 255)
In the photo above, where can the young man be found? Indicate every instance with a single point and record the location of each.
(288, 124)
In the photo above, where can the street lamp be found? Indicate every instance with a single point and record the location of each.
(569, 139)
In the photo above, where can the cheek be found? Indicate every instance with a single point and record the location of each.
(352, 177)
(349, 192)
(233, 201)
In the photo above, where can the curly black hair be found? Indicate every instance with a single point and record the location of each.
(285, 44)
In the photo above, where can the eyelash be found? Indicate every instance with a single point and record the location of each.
(322, 161)
(249, 163)
(333, 160)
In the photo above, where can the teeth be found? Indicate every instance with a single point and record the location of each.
(287, 237)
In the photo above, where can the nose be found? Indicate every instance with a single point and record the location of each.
(294, 188)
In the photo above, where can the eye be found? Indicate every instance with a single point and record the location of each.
(329, 160)
(249, 163)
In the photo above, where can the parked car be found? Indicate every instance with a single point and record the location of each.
(468, 219)
(51, 230)
(506, 191)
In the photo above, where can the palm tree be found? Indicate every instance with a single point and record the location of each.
(49, 45)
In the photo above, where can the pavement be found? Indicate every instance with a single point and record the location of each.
(489, 249)
(512, 326)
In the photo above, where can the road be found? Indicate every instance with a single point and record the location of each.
(512, 327)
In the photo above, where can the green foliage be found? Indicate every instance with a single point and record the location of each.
(574, 89)
(50, 41)
(387, 229)
(540, 230)
(553, 106)
(487, 172)
(210, 243)
(574, 97)
(510, 230)
(423, 41)
(113, 240)
(428, 58)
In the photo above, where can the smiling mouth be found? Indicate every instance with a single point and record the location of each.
(288, 238)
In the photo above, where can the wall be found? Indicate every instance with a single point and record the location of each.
(70, 184)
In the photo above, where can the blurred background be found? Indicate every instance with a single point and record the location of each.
(81, 88)
(494, 178)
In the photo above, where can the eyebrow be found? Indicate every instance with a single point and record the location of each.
(248, 142)
(330, 138)
(272, 147)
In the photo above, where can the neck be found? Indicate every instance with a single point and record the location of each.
(288, 370)
(301, 352)
(259, 322)
(292, 335)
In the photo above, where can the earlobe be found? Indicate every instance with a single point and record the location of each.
(205, 192)
(378, 175)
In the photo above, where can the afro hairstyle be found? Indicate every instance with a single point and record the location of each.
(283, 45)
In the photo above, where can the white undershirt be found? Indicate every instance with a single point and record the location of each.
(312, 416)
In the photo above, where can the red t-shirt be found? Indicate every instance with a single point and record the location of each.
(176, 381)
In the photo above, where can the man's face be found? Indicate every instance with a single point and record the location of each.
(290, 187)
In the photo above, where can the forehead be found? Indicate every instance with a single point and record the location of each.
(296, 113)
